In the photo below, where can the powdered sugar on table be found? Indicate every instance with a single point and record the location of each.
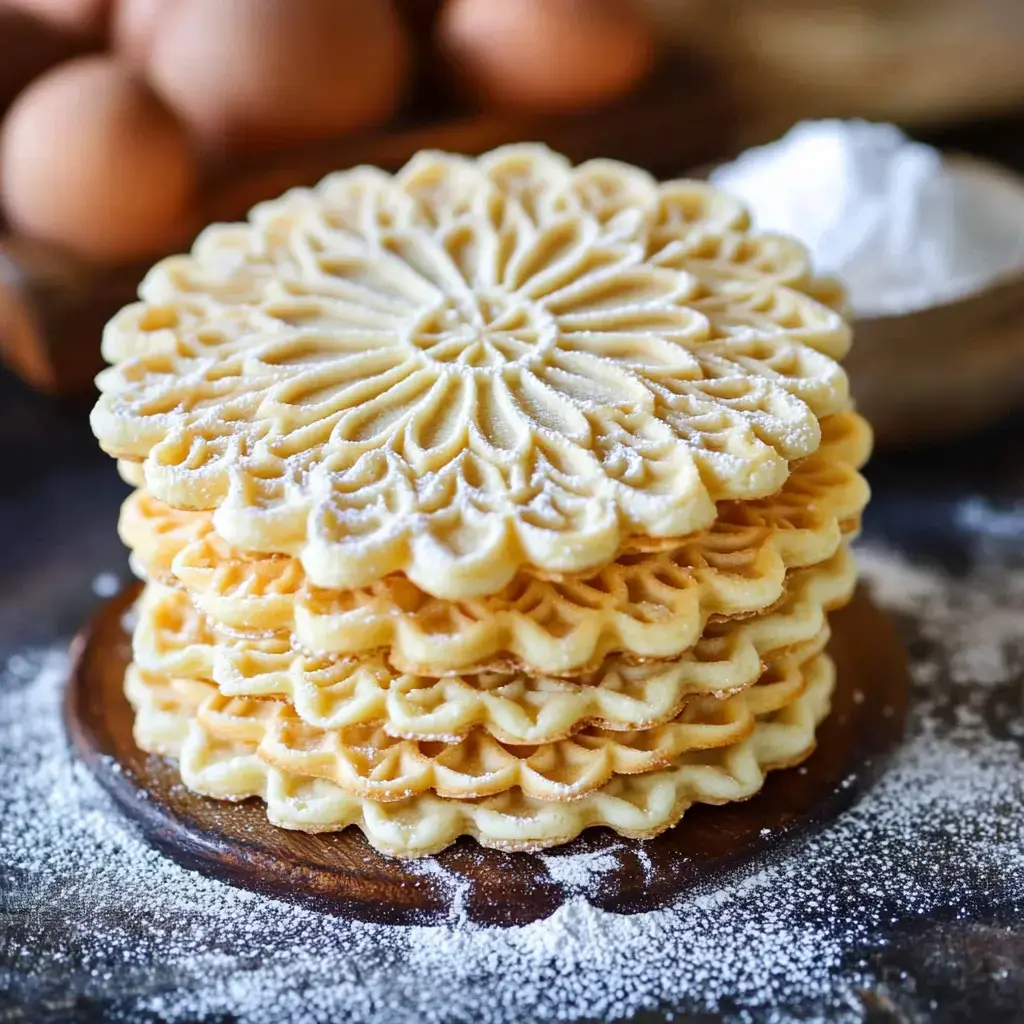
(791, 938)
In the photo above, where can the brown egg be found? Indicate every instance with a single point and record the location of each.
(135, 24)
(88, 16)
(248, 74)
(93, 162)
(546, 55)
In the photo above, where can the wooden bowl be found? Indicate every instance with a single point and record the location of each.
(943, 371)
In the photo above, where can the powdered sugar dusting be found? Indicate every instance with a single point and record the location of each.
(794, 937)
(583, 871)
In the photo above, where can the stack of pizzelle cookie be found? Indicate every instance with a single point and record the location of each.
(497, 497)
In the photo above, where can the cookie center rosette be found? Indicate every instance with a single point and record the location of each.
(497, 497)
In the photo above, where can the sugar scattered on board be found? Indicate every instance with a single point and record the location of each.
(903, 227)
(789, 938)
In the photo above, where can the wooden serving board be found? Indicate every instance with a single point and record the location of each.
(340, 873)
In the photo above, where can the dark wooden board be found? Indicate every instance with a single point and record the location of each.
(341, 873)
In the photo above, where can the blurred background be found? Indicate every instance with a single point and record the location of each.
(129, 124)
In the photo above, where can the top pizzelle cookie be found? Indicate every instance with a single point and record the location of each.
(470, 367)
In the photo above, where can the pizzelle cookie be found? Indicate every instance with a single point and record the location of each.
(366, 762)
(217, 760)
(172, 640)
(472, 367)
(653, 605)
(497, 497)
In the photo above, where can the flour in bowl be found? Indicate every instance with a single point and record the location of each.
(904, 227)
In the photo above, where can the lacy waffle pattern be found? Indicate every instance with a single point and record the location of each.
(653, 605)
(366, 762)
(229, 767)
(173, 640)
(473, 366)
